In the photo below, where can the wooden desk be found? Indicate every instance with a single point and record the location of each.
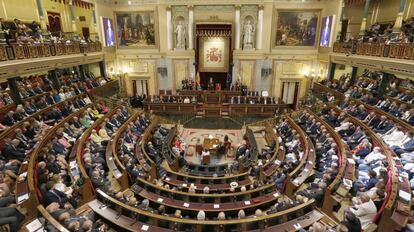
(210, 207)
(200, 186)
(305, 221)
(122, 221)
(196, 197)
(211, 143)
(179, 224)
(208, 179)
(51, 219)
(305, 168)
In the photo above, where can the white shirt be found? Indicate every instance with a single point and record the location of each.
(343, 126)
(373, 156)
(205, 153)
(393, 138)
(365, 212)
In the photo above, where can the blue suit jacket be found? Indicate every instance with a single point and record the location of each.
(409, 146)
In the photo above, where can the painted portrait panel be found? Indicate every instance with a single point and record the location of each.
(297, 28)
(136, 29)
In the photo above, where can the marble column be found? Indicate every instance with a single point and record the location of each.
(259, 31)
(331, 71)
(341, 35)
(237, 21)
(190, 27)
(383, 85)
(43, 25)
(353, 76)
(169, 29)
(52, 74)
(102, 68)
(399, 19)
(72, 16)
(82, 72)
(94, 22)
(364, 18)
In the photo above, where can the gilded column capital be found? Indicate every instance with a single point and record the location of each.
(237, 7)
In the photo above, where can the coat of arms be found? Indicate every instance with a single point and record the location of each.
(214, 55)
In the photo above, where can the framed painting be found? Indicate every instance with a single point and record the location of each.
(136, 29)
(297, 28)
(214, 54)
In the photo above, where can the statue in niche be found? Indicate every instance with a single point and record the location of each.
(248, 34)
(180, 35)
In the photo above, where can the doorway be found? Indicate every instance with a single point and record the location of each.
(290, 92)
(55, 25)
(85, 33)
(140, 87)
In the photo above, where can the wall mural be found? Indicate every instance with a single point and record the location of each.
(297, 28)
(136, 29)
(214, 55)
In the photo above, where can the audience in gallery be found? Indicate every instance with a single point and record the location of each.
(31, 33)
(385, 33)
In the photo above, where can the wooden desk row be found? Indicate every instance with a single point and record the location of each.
(87, 184)
(173, 108)
(33, 198)
(156, 222)
(247, 161)
(140, 152)
(9, 133)
(305, 168)
(390, 202)
(346, 170)
(263, 201)
(4, 110)
(257, 109)
(199, 196)
(167, 151)
(211, 97)
(270, 168)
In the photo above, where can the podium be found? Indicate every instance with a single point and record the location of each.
(206, 160)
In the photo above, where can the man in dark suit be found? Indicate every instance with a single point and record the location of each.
(382, 125)
(11, 152)
(9, 120)
(241, 150)
(355, 138)
(372, 120)
(54, 195)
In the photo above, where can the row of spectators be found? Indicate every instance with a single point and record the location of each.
(55, 181)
